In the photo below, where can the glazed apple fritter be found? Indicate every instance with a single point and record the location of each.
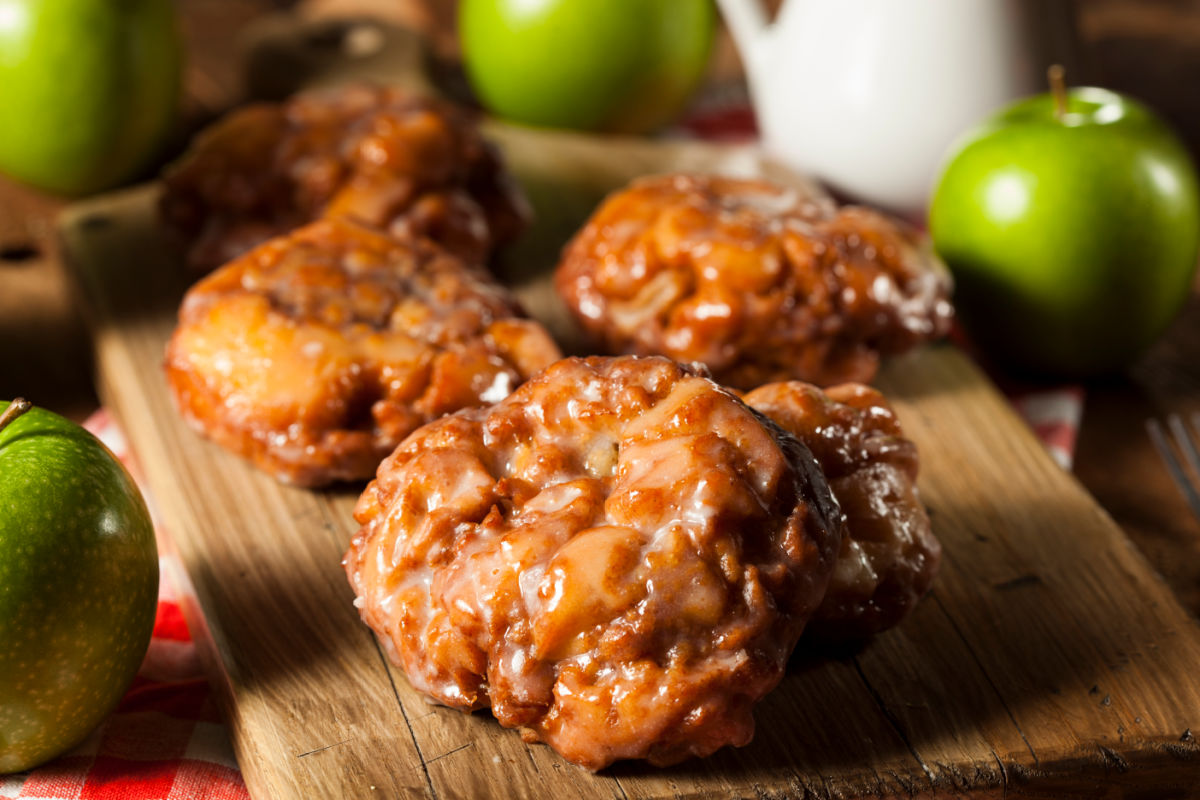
(381, 156)
(752, 281)
(618, 559)
(889, 554)
(316, 353)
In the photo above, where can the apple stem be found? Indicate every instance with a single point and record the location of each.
(1058, 87)
(15, 409)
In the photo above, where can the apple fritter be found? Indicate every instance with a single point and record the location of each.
(316, 353)
(384, 157)
(618, 559)
(889, 554)
(751, 280)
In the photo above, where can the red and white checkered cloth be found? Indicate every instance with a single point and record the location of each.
(165, 740)
(1054, 415)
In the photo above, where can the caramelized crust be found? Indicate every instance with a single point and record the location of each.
(404, 163)
(750, 280)
(889, 554)
(316, 353)
(618, 559)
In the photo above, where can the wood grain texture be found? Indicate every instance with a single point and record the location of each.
(1049, 658)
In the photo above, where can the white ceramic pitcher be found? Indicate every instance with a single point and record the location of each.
(867, 95)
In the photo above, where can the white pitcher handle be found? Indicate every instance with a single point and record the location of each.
(747, 20)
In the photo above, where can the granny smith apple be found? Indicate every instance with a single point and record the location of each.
(1072, 231)
(88, 89)
(626, 66)
(78, 584)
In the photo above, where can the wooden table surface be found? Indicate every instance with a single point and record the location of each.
(1150, 48)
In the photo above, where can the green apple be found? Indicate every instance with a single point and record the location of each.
(1072, 232)
(78, 584)
(622, 66)
(88, 89)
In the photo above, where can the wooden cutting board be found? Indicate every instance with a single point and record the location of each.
(1048, 658)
